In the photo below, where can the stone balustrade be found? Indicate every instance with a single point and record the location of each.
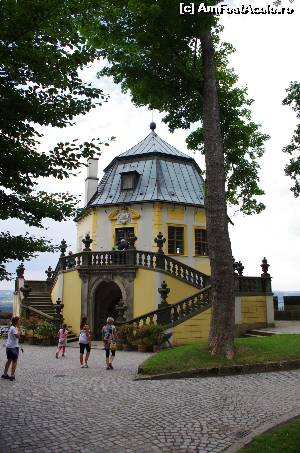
(157, 262)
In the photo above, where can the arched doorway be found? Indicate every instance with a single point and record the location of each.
(107, 296)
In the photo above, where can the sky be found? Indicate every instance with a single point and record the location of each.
(266, 60)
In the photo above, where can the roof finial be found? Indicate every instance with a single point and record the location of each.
(152, 126)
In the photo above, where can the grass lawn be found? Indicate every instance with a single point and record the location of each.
(285, 439)
(249, 350)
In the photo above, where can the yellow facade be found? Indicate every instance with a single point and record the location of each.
(144, 292)
(200, 217)
(176, 213)
(254, 309)
(194, 329)
(157, 222)
(84, 226)
(72, 300)
(54, 292)
(203, 265)
(94, 230)
(178, 289)
(146, 296)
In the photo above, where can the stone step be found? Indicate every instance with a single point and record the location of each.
(251, 335)
(261, 333)
(39, 296)
(39, 304)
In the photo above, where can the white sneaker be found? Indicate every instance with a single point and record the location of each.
(86, 365)
(82, 366)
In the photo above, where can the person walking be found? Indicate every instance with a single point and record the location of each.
(85, 339)
(62, 341)
(109, 340)
(12, 348)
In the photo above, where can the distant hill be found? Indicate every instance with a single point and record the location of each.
(6, 300)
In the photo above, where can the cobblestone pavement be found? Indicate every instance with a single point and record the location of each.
(55, 406)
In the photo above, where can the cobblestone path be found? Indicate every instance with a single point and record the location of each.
(54, 406)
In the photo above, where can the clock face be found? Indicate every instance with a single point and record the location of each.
(124, 217)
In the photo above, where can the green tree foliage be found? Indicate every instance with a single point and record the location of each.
(155, 54)
(41, 53)
(178, 65)
(292, 169)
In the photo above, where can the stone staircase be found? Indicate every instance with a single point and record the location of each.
(40, 299)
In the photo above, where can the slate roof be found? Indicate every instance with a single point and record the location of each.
(165, 174)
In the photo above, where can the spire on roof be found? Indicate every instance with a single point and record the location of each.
(152, 126)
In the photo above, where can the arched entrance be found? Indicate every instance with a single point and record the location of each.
(107, 296)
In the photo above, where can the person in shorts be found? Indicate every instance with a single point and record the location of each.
(85, 339)
(109, 341)
(12, 348)
(62, 341)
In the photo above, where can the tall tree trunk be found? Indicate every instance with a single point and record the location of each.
(221, 336)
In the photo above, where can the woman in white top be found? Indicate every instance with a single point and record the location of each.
(12, 348)
(85, 339)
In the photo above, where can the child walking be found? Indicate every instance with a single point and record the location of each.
(62, 341)
(85, 341)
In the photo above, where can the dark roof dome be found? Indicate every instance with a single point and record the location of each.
(163, 173)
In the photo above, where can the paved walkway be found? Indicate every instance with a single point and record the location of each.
(54, 406)
(284, 327)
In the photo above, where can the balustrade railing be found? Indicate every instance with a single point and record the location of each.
(156, 262)
(135, 258)
(174, 314)
(252, 285)
(40, 313)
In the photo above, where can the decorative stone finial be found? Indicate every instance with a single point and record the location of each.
(49, 273)
(63, 247)
(70, 260)
(87, 242)
(20, 270)
(58, 307)
(238, 267)
(164, 292)
(152, 126)
(265, 267)
(25, 290)
(159, 241)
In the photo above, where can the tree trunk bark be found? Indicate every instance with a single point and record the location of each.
(221, 336)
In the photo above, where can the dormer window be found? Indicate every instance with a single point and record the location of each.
(129, 180)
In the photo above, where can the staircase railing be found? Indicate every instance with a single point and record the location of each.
(172, 315)
(40, 313)
(134, 258)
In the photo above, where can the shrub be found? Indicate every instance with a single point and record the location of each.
(46, 330)
(125, 333)
(156, 334)
(31, 323)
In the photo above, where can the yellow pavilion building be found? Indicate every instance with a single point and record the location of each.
(142, 251)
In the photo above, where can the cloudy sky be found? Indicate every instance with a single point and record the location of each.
(266, 59)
